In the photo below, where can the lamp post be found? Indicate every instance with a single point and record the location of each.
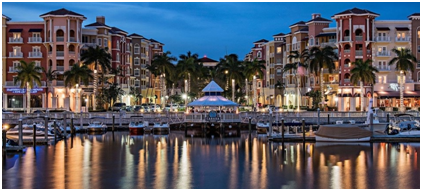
(233, 90)
(254, 92)
(186, 91)
(184, 96)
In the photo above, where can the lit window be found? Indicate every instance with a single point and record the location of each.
(278, 50)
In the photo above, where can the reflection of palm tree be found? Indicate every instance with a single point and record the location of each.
(364, 73)
(404, 61)
(28, 75)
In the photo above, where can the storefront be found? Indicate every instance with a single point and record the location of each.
(15, 98)
(392, 99)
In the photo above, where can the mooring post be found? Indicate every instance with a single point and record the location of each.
(303, 129)
(34, 135)
(186, 129)
(46, 128)
(282, 130)
(120, 118)
(250, 128)
(270, 128)
(65, 124)
(328, 118)
(3, 136)
(388, 118)
(112, 126)
(371, 121)
(318, 110)
(20, 132)
(72, 127)
(82, 125)
(55, 130)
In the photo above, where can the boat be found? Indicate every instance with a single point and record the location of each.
(376, 124)
(161, 126)
(262, 127)
(404, 124)
(342, 133)
(136, 125)
(96, 126)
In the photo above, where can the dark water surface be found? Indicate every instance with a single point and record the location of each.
(124, 161)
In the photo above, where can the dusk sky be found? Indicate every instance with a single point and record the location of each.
(206, 28)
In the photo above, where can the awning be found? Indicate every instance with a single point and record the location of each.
(396, 94)
(15, 30)
(148, 93)
(326, 34)
(212, 101)
(35, 30)
(402, 28)
(383, 28)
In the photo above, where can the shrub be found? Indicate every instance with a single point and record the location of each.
(303, 107)
(290, 106)
(395, 109)
(382, 108)
(284, 106)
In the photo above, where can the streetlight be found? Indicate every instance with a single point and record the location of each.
(233, 90)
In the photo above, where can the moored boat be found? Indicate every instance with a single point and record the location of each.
(96, 126)
(136, 125)
(342, 133)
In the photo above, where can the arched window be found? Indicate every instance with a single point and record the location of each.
(346, 35)
(358, 35)
(72, 49)
(117, 57)
(71, 62)
(347, 63)
(59, 35)
(259, 54)
(346, 76)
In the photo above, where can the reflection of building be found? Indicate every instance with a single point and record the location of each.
(356, 35)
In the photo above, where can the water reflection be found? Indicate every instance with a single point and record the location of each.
(173, 161)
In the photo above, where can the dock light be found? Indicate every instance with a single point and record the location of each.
(230, 126)
(212, 124)
(191, 125)
(5, 127)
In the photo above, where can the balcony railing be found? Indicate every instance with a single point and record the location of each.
(35, 54)
(12, 69)
(15, 55)
(386, 68)
(15, 40)
(143, 55)
(358, 53)
(347, 51)
(59, 83)
(383, 39)
(143, 66)
(346, 80)
(11, 83)
(72, 39)
(347, 38)
(59, 53)
(60, 39)
(60, 68)
(72, 52)
(387, 53)
(359, 38)
(402, 39)
(124, 85)
(34, 40)
(90, 45)
(325, 44)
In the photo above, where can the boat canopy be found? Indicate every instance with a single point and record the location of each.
(342, 131)
(212, 97)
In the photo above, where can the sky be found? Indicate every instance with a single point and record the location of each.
(206, 28)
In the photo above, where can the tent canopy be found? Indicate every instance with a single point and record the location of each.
(212, 101)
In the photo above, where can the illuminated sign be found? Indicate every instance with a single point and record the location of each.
(394, 86)
(23, 90)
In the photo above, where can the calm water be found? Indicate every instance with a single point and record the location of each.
(124, 161)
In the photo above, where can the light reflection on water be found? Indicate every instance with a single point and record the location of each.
(173, 161)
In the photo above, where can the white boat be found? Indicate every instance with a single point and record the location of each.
(96, 126)
(262, 127)
(342, 133)
(161, 126)
(404, 124)
(376, 124)
(136, 125)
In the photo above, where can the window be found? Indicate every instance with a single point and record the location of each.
(278, 50)
(17, 51)
(136, 49)
(136, 72)
(311, 41)
(128, 47)
(136, 61)
(401, 47)
(258, 54)
(99, 41)
(16, 35)
(259, 84)
(382, 50)
(419, 34)
(105, 42)
(118, 57)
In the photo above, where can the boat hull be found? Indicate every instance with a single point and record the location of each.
(326, 139)
(261, 130)
(136, 130)
(161, 130)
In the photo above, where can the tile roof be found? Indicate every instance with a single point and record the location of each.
(383, 28)
(356, 11)
(152, 40)
(300, 22)
(279, 34)
(262, 40)
(319, 19)
(62, 11)
(97, 24)
(325, 34)
(115, 30)
(302, 29)
(136, 35)
(402, 28)
(7, 18)
(414, 14)
(205, 59)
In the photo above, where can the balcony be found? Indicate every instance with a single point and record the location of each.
(59, 53)
(124, 85)
(358, 53)
(384, 68)
(60, 68)
(11, 83)
(143, 66)
(15, 40)
(59, 83)
(347, 38)
(402, 39)
(143, 76)
(72, 39)
(15, 55)
(90, 45)
(34, 40)
(359, 38)
(72, 52)
(60, 39)
(12, 69)
(383, 39)
(346, 80)
(347, 51)
(325, 44)
(35, 55)
(382, 54)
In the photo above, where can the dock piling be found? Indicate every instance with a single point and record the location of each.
(112, 126)
(371, 121)
(3, 135)
(388, 118)
(72, 127)
(328, 118)
(34, 135)
(250, 128)
(282, 130)
(46, 128)
(319, 111)
(65, 124)
(55, 130)
(303, 129)
(20, 132)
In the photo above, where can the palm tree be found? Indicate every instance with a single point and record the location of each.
(254, 68)
(28, 74)
(320, 59)
(187, 67)
(77, 74)
(162, 65)
(98, 56)
(364, 73)
(405, 61)
(230, 68)
(295, 59)
(50, 76)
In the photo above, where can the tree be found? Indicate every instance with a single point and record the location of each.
(112, 93)
(254, 68)
(28, 75)
(280, 87)
(78, 74)
(231, 68)
(49, 77)
(320, 59)
(97, 56)
(136, 93)
(404, 61)
(363, 73)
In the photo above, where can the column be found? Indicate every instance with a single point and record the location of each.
(77, 31)
(373, 30)
(53, 102)
(4, 101)
(45, 31)
(341, 29)
(350, 29)
(340, 104)
(51, 30)
(353, 104)
(68, 30)
(43, 101)
(367, 29)
(24, 102)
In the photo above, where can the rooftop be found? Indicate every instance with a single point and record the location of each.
(356, 11)
(62, 11)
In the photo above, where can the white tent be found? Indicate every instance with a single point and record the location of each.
(212, 97)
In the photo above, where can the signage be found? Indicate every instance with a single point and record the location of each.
(88, 89)
(23, 90)
(394, 86)
(212, 116)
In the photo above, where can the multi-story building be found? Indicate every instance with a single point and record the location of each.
(4, 43)
(259, 53)
(415, 42)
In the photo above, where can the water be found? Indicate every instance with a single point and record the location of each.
(124, 161)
